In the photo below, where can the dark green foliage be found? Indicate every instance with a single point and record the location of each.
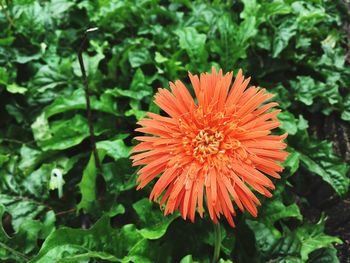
(295, 49)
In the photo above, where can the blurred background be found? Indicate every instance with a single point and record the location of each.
(55, 205)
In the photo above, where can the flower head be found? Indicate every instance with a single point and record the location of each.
(218, 147)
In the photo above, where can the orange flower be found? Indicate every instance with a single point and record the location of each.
(219, 146)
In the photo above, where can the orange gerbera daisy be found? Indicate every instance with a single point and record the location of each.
(219, 146)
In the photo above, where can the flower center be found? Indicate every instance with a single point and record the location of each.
(206, 143)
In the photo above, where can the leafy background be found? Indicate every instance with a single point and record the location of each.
(295, 49)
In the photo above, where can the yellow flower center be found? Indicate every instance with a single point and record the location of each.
(206, 143)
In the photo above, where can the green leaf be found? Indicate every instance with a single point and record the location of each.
(24, 241)
(327, 255)
(37, 182)
(288, 122)
(86, 257)
(288, 247)
(7, 41)
(154, 224)
(14, 88)
(30, 158)
(312, 237)
(48, 78)
(90, 62)
(265, 237)
(283, 34)
(276, 210)
(117, 209)
(3, 159)
(194, 44)
(159, 58)
(282, 96)
(269, 9)
(345, 115)
(269, 240)
(292, 246)
(135, 110)
(138, 57)
(302, 123)
(87, 185)
(62, 134)
(188, 259)
(15, 112)
(101, 242)
(334, 175)
(57, 8)
(319, 158)
(306, 89)
(116, 92)
(115, 149)
(23, 59)
(41, 129)
(292, 161)
(70, 245)
(76, 101)
(118, 176)
(253, 16)
(139, 88)
(21, 209)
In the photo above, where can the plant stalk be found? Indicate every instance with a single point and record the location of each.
(13, 251)
(87, 99)
(217, 244)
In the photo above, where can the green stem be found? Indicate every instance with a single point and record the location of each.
(217, 240)
(13, 251)
(87, 99)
